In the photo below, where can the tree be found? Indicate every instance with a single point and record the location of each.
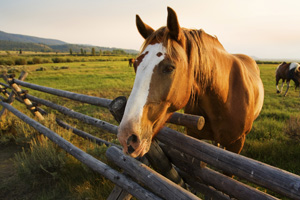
(71, 52)
(93, 51)
(81, 50)
(20, 51)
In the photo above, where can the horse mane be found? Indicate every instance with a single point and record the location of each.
(198, 44)
(199, 48)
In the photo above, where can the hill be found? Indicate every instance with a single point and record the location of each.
(88, 48)
(16, 46)
(15, 42)
(28, 39)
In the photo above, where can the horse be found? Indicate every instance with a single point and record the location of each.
(186, 68)
(131, 61)
(287, 72)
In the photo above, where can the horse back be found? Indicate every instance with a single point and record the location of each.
(282, 71)
(232, 102)
(252, 82)
(249, 64)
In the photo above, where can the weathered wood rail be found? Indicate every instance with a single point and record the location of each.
(87, 119)
(177, 118)
(168, 152)
(275, 179)
(85, 158)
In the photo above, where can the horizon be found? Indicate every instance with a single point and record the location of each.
(261, 29)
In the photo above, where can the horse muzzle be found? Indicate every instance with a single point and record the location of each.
(133, 145)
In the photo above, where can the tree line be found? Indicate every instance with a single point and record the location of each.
(72, 48)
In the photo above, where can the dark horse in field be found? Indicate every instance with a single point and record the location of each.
(131, 61)
(184, 68)
(287, 72)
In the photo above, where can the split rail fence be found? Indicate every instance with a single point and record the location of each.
(178, 162)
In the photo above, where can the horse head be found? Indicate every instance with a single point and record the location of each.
(297, 70)
(162, 85)
(297, 76)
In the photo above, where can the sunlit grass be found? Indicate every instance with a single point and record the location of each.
(268, 140)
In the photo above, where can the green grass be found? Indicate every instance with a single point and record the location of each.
(95, 78)
(65, 177)
(274, 138)
(270, 141)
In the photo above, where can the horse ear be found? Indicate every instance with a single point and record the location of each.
(143, 28)
(173, 25)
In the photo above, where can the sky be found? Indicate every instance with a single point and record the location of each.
(264, 29)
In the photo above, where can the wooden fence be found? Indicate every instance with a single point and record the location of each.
(179, 169)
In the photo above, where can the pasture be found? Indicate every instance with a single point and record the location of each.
(41, 171)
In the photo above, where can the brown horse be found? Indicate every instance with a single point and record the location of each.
(180, 67)
(131, 61)
(287, 72)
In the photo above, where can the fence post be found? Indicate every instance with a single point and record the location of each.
(22, 94)
(116, 108)
(10, 100)
(156, 156)
(11, 96)
(159, 184)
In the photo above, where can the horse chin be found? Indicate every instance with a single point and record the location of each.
(142, 149)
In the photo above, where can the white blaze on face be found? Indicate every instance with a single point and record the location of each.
(140, 90)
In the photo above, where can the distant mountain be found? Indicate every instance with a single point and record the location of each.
(16, 46)
(28, 39)
(15, 42)
(88, 48)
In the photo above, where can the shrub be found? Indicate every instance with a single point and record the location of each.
(9, 62)
(30, 62)
(58, 60)
(36, 60)
(44, 160)
(20, 61)
(45, 61)
(13, 70)
(292, 128)
(13, 129)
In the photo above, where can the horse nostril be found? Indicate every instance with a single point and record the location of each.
(130, 149)
(132, 138)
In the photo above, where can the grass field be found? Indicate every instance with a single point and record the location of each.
(274, 138)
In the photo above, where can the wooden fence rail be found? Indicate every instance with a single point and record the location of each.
(111, 128)
(275, 179)
(156, 182)
(70, 95)
(78, 132)
(177, 118)
(189, 169)
(85, 158)
(71, 113)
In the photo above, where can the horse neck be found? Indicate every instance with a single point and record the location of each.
(206, 53)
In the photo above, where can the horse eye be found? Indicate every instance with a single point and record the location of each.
(168, 69)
